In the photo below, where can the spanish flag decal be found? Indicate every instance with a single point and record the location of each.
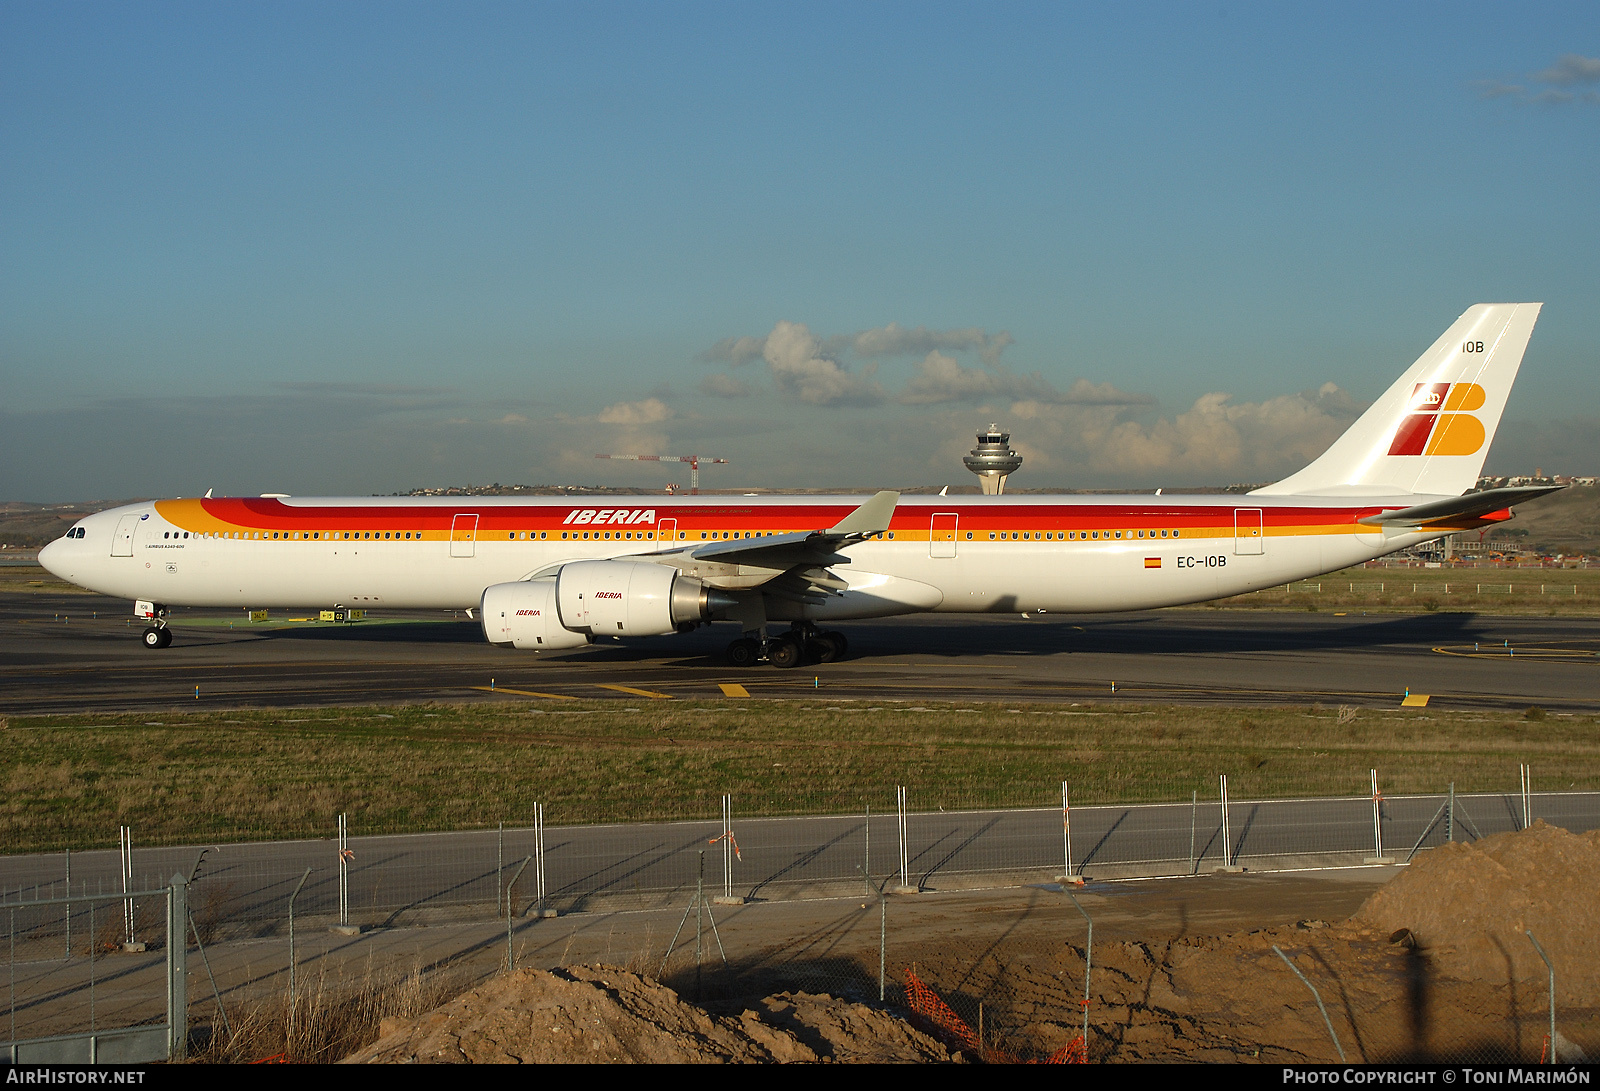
(1152, 562)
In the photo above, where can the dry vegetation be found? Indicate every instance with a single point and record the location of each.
(274, 774)
(1547, 591)
(332, 1018)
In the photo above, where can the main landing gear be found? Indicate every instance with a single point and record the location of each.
(801, 644)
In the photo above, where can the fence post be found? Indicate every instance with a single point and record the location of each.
(1552, 969)
(511, 958)
(727, 846)
(866, 865)
(344, 874)
(1066, 839)
(1315, 995)
(289, 1041)
(1227, 830)
(177, 967)
(905, 886)
(538, 863)
(125, 848)
(1377, 856)
(1088, 961)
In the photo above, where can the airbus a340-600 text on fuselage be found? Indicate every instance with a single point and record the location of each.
(547, 574)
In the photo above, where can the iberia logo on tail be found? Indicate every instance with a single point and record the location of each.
(1440, 421)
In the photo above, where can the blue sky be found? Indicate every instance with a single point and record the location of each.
(355, 248)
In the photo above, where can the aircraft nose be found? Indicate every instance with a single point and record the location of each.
(51, 556)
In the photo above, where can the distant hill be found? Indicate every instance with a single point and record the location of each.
(30, 526)
(1564, 522)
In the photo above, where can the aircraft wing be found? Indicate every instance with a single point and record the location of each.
(792, 565)
(1472, 505)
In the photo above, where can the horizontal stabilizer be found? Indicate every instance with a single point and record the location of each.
(1473, 505)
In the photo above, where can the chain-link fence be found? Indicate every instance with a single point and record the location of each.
(725, 909)
(387, 881)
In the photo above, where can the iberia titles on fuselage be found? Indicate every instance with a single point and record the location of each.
(546, 573)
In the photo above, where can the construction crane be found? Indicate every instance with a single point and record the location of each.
(693, 461)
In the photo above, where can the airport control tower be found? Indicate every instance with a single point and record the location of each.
(993, 460)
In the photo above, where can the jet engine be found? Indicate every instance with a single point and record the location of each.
(596, 598)
(523, 615)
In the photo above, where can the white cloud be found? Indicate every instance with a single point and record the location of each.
(723, 385)
(1571, 69)
(895, 340)
(735, 350)
(1216, 439)
(941, 378)
(801, 368)
(649, 411)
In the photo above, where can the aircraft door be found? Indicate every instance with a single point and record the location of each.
(667, 530)
(122, 541)
(463, 530)
(942, 534)
(1248, 538)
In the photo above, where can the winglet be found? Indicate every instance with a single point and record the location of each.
(869, 519)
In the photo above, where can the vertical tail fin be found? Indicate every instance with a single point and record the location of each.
(1430, 432)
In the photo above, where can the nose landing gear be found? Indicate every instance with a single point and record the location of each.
(157, 635)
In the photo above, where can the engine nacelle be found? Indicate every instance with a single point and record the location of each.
(594, 598)
(524, 615)
(628, 598)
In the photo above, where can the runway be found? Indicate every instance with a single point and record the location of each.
(66, 653)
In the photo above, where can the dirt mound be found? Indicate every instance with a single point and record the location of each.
(1469, 906)
(582, 1014)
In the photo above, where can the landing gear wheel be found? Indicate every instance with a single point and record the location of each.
(156, 638)
(743, 652)
(840, 644)
(785, 653)
(822, 649)
(166, 637)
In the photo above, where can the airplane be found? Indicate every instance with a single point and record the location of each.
(550, 574)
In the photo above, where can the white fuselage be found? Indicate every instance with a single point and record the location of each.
(969, 554)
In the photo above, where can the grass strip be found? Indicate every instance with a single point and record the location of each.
(231, 776)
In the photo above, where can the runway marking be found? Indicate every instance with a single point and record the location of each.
(733, 689)
(1532, 649)
(526, 693)
(1415, 700)
(635, 692)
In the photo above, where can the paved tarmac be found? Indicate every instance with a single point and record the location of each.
(66, 653)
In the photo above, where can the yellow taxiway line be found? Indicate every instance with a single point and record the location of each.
(526, 693)
(733, 689)
(1415, 700)
(635, 692)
